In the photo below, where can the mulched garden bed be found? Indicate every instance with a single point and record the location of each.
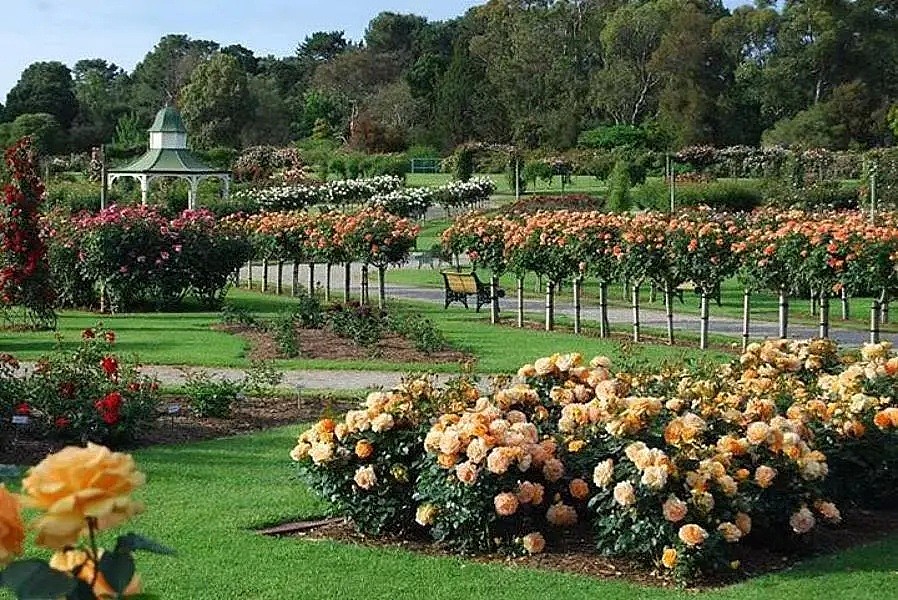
(250, 415)
(576, 553)
(325, 344)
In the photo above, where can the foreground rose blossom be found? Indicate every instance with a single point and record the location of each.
(534, 543)
(77, 484)
(692, 535)
(506, 504)
(425, 514)
(669, 558)
(70, 560)
(365, 477)
(12, 530)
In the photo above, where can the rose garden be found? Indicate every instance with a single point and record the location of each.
(642, 460)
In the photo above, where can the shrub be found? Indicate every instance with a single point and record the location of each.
(211, 397)
(309, 311)
(283, 327)
(620, 183)
(135, 257)
(673, 466)
(86, 395)
(358, 322)
(366, 464)
(723, 195)
(422, 332)
(463, 164)
(613, 136)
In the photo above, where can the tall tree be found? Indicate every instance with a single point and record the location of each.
(101, 89)
(395, 35)
(626, 89)
(166, 70)
(217, 102)
(247, 59)
(322, 46)
(270, 121)
(44, 87)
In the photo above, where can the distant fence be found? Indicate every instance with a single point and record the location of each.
(425, 165)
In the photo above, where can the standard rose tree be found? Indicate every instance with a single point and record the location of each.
(78, 493)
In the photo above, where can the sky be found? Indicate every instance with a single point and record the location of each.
(123, 31)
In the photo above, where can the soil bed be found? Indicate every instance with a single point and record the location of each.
(250, 415)
(325, 344)
(576, 552)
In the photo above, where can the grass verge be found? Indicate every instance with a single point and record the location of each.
(205, 499)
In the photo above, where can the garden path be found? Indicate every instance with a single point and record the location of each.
(296, 379)
(650, 318)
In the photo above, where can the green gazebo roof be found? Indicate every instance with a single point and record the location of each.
(173, 161)
(168, 120)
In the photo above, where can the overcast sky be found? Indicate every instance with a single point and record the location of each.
(123, 31)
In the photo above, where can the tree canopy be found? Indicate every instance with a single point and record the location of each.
(535, 73)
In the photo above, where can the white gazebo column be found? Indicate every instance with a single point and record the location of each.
(144, 188)
(191, 194)
(227, 186)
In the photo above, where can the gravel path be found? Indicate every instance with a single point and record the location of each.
(297, 380)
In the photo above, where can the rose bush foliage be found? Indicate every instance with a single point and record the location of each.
(90, 394)
(134, 257)
(675, 466)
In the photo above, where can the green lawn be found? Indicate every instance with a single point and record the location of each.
(186, 339)
(205, 499)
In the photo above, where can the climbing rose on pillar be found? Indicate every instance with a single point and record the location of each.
(26, 293)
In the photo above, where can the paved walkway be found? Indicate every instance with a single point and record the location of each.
(651, 318)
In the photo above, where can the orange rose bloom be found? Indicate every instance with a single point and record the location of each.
(69, 560)
(364, 449)
(506, 504)
(12, 530)
(764, 476)
(77, 484)
(579, 489)
(692, 535)
(534, 543)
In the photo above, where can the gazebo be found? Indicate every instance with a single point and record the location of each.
(168, 156)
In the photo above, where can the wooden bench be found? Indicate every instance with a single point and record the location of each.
(461, 285)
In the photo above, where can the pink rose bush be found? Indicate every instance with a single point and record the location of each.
(135, 257)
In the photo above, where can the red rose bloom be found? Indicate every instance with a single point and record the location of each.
(109, 408)
(62, 422)
(88, 334)
(110, 365)
(67, 389)
(23, 409)
(110, 337)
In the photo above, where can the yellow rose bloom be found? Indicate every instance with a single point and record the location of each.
(12, 530)
(69, 560)
(77, 484)
(669, 558)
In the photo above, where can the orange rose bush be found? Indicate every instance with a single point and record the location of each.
(366, 464)
(682, 467)
(78, 493)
